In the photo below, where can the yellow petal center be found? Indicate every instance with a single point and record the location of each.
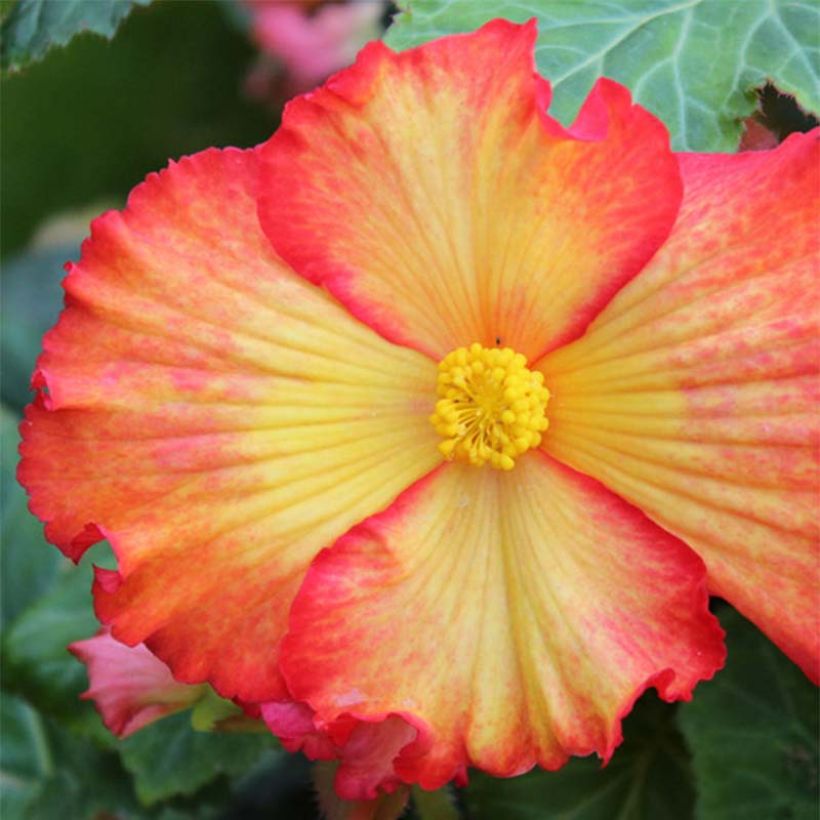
(491, 407)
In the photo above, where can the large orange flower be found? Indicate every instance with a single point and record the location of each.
(426, 423)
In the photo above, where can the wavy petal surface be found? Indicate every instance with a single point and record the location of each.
(504, 619)
(217, 418)
(431, 194)
(364, 749)
(694, 393)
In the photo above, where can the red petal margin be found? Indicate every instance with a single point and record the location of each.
(694, 394)
(432, 195)
(491, 620)
(218, 419)
(365, 749)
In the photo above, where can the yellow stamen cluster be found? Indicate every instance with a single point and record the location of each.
(491, 407)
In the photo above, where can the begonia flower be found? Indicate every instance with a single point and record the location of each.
(130, 687)
(309, 40)
(430, 424)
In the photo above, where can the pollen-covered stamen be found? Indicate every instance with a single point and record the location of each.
(491, 407)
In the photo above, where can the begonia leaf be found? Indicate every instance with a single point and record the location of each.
(170, 758)
(27, 564)
(35, 658)
(24, 759)
(86, 783)
(211, 712)
(34, 26)
(68, 132)
(277, 786)
(32, 300)
(48, 772)
(694, 63)
(435, 805)
(753, 732)
(649, 776)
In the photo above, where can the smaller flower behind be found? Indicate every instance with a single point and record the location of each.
(365, 749)
(130, 687)
(303, 43)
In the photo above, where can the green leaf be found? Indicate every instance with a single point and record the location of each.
(47, 772)
(36, 661)
(25, 758)
(437, 805)
(80, 128)
(694, 63)
(211, 709)
(32, 300)
(170, 758)
(278, 786)
(32, 27)
(649, 776)
(87, 782)
(28, 565)
(753, 732)
(5, 8)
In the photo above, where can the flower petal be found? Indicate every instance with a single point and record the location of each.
(509, 619)
(293, 724)
(130, 686)
(218, 419)
(332, 807)
(431, 194)
(694, 393)
(364, 749)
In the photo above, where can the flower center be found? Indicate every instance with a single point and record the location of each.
(491, 408)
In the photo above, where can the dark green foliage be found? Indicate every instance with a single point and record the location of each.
(28, 565)
(49, 772)
(648, 777)
(753, 732)
(37, 663)
(32, 299)
(170, 758)
(90, 121)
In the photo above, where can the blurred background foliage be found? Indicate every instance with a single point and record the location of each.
(87, 123)
(79, 129)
